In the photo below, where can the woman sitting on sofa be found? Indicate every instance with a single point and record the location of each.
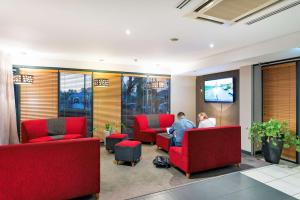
(204, 122)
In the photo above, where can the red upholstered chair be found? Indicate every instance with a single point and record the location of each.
(146, 127)
(33, 131)
(207, 148)
(63, 169)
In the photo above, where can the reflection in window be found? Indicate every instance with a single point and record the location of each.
(142, 95)
(75, 96)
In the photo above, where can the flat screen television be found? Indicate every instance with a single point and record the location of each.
(219, 90)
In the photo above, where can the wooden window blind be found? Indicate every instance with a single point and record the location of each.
(279, 98)
(107, 103)
(39, 100)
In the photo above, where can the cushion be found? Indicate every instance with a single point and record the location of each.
(72, 136)
(117, 136)
(76, 125)
(153, 121)
(128, 143)
(141, 121)
(150, 131)
(41, 139)
(166, 120)
(56, 137)
(56, 126)
(35, 128)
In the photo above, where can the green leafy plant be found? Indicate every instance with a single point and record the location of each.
(274, 131)
(112, 126)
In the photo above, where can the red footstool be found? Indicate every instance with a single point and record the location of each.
(128, 151)
(163, 141)
(113, 139)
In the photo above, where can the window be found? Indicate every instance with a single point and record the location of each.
(143, 95)
(75, 96)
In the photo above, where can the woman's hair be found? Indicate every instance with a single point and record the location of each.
(204, 115)
(180, 114)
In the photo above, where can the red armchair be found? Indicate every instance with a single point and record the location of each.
(43, 130)
(61, 169)
(207, 148)
(147, 126)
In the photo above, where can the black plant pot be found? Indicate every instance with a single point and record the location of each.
(272, 153)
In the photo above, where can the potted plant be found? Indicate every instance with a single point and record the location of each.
(110, 128)
(273, 136)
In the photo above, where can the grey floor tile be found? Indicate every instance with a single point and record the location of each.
(230, 187)
(260, 192)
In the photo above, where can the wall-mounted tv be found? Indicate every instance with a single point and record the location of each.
(219, 90)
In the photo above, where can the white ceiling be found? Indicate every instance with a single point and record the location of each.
(84, 31)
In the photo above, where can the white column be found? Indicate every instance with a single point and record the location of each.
(246, 105)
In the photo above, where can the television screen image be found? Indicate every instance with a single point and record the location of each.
(220, 90)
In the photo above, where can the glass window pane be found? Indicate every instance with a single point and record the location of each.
(75, 96)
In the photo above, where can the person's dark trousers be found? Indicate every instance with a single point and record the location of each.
(174, 143)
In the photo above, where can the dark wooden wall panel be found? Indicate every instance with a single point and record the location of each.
(230, 111)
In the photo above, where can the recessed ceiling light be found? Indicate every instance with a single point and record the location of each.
(174, 39)
(101, 60)
(211, 45)
(24, 53)
(128, 32)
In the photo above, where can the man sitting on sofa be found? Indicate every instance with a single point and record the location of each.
(179, 127)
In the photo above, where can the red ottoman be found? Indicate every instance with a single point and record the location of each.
(128, 151)
(163, 141)
(113, 139)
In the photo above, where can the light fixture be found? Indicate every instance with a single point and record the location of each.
(101, 60)
(101, 82)
(128, 32)
(135, 60)
(211, 45)
(23, 79)
(153, 83)
(174, 39)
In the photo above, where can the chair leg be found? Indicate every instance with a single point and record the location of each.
(132, 164)
(238, 165)
(97, 195)
(188, 175)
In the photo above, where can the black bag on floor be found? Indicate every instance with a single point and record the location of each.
(161, 162)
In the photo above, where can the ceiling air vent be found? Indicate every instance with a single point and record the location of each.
(229, 11)
(279, 10)
(183, 3)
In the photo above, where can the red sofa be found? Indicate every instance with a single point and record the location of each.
(207, 148)
(147, 126)
(33, 131)
(61, 169)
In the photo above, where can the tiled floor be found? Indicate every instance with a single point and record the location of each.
(235, 186)
(281, 177)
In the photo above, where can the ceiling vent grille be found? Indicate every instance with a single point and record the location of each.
(229, 11)
(183, 4)
(291, 5)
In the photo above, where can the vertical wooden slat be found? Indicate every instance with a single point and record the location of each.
(107, 103)
(279, 98)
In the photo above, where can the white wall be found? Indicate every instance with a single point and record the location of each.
(245, 105)
(183, 96)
